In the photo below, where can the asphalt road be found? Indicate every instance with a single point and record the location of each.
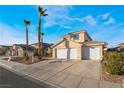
(11, 80)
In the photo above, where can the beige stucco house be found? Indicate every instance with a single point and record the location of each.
(5, 50)
(20, 49)
(78, 45)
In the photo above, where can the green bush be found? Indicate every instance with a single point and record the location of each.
(25, 55)
(114, 62)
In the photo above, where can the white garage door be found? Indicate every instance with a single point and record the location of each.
(73, 53)
(62, 53)
(67, 53)
(92, 53)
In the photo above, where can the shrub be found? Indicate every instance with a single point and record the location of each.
(114, 62)
(25, 55)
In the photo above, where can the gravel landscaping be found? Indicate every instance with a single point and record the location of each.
(111, 78)
(28, 62)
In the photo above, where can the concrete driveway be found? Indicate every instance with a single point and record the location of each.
(62, 73)
(77, 74)
(66, 73)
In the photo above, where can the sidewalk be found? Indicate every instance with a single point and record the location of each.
(72, 74)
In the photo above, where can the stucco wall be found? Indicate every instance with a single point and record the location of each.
(81, 37)
(20, 52)
(71, 44)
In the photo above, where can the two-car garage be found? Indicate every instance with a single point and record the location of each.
(81, 51)
(87, 53)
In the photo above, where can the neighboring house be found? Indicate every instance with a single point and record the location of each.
(46, 48)
(121, 47)
(112, 49)
(118, 48)
(5, 50)
(78, 45)
(19, 49)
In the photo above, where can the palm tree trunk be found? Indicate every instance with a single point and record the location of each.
(39, 43)
(26, 38)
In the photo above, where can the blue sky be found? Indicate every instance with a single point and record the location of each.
(103, 23)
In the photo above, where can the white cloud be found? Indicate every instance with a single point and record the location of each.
(8, 35)
(109, 21)
(90, 20)
(76, 19)
(107, 18)
(14, 34)
(68, 27)
(112, 35)
(104, 16)
(56, 15)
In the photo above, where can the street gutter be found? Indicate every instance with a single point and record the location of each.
(44, 84)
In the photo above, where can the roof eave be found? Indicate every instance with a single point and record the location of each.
(57, 44)
(97, 44)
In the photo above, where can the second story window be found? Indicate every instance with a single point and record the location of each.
(86, 40)
(76, 36)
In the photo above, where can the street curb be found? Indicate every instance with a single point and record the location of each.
(4, 65)
(43, 84)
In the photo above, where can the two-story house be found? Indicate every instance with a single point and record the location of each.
(78, 45)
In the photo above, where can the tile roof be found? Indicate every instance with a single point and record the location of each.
(81, 31)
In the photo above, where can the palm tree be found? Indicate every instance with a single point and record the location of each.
(40, 34)
(26, 22)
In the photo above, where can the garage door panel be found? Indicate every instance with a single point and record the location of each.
(95, 53)
(73, 53)
(65, 53)
(62, 53)
(92, 53)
